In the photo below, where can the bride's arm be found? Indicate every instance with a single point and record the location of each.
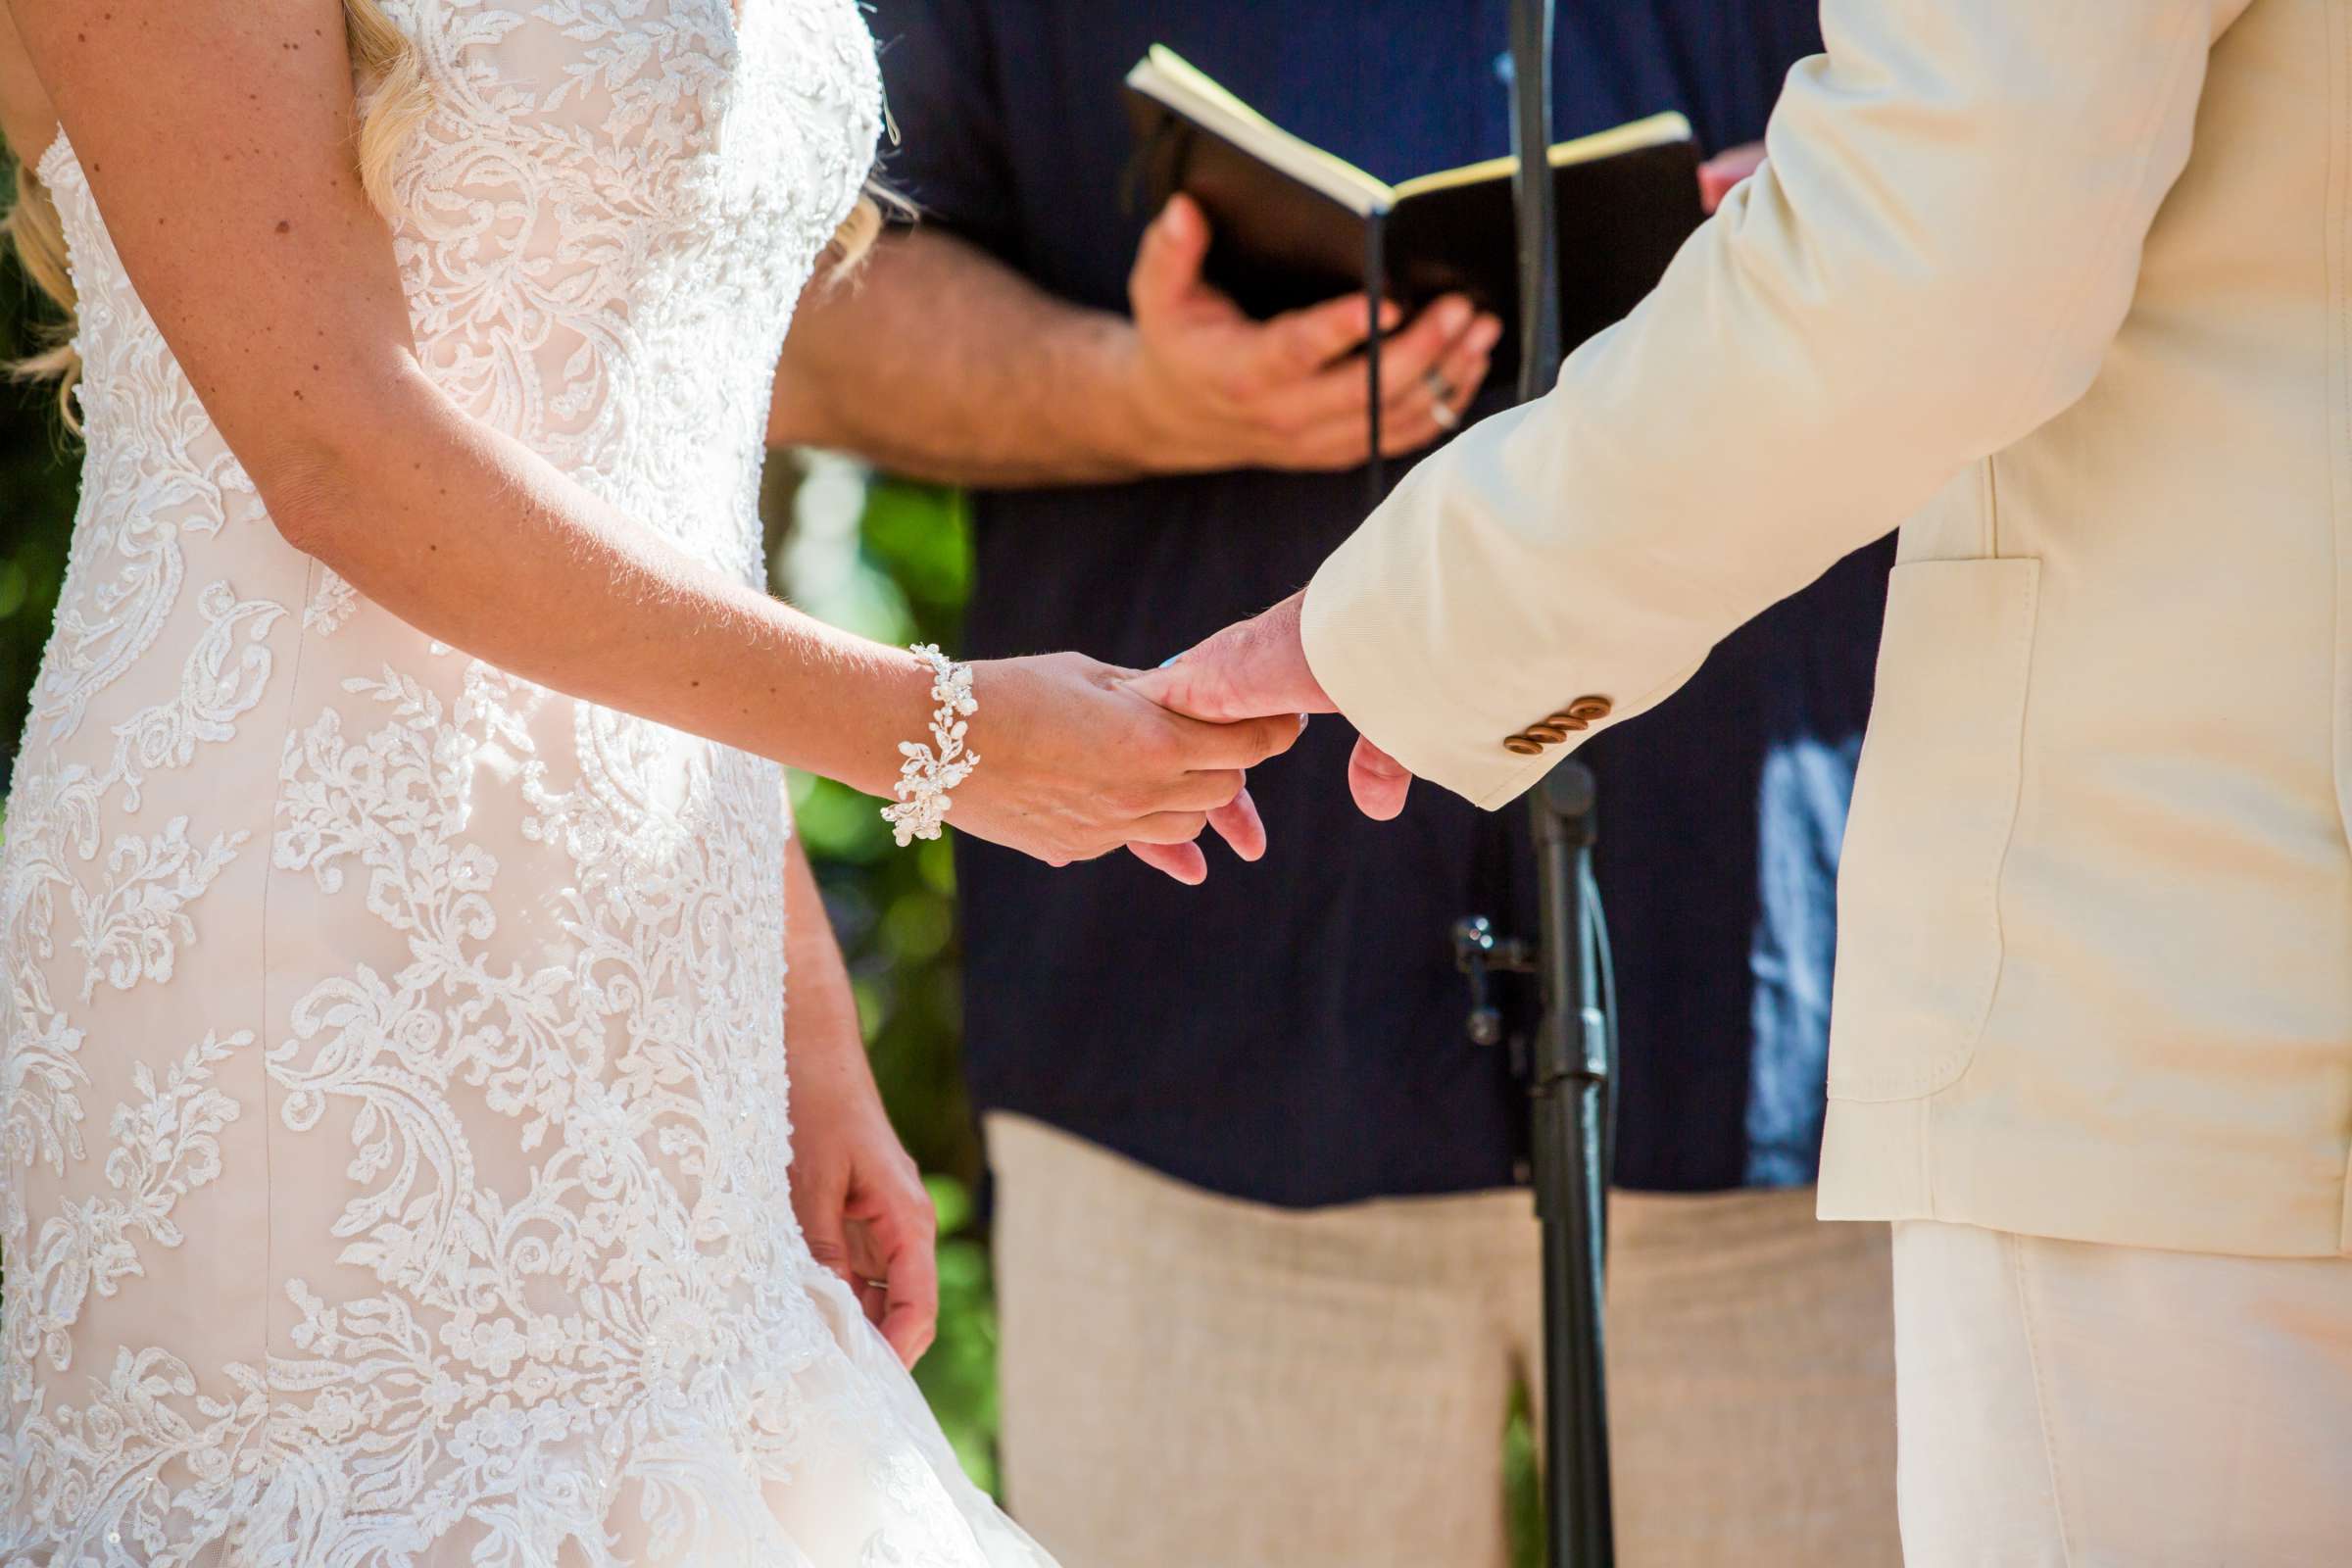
(218, 137)
(26, 116)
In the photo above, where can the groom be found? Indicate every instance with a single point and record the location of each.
(2065, 285)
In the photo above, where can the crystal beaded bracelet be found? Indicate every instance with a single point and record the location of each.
(927, 774)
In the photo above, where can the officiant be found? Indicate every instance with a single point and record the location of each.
(1266, 1282)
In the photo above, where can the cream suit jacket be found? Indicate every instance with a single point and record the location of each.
(2067, 284)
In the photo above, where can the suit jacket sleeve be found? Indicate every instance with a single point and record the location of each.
(1932, 261)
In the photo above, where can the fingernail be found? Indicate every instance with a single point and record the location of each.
(1453, 315)
(1171, 661)
(1485, 334)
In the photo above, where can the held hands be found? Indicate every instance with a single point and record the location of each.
(1078, 764)
(1085, 758)
(1212, 390)
(1260, 668)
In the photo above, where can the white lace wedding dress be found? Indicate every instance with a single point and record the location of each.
(392, 1052)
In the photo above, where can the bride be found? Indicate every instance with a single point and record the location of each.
(393, 926)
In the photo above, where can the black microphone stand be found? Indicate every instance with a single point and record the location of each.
(1569, 1067)
(1568, 1140)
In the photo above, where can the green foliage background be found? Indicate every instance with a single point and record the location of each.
(902, 576)
(37, 513)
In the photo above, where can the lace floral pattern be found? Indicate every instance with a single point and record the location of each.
(392, 1074)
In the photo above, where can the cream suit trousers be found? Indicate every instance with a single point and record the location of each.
(1193, 1382)
(2073, 1405)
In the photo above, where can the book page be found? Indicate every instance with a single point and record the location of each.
(1170, 78)
(1655, 131)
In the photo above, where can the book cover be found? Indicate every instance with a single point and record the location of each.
(1295, 225)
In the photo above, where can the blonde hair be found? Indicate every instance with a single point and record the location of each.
(855, 240)
(389, 72)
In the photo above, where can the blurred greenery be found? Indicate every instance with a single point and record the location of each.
(36, 511)
(891, 560)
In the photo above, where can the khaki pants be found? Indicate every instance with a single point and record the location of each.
(1193, 1382)
(2070, 1405)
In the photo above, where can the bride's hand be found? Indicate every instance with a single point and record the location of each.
(860, 1200)
(1075, 766)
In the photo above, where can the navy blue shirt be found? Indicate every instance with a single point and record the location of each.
(1294, 1032)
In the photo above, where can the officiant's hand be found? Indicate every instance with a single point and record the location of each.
(1209, 388)
(1719, 175)
(1260, 668)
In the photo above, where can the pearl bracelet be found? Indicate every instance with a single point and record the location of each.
(926, 776)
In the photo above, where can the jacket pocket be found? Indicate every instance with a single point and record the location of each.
(1919, 930)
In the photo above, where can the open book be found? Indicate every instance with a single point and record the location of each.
(1295, 225)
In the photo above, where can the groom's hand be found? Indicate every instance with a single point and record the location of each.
(1257, 669)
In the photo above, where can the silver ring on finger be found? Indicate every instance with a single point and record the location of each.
(1442, 395)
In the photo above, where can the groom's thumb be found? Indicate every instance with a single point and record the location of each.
(1256, 670)
(1195, 684)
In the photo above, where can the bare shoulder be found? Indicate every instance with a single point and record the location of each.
(25, 115)
(216, 138)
